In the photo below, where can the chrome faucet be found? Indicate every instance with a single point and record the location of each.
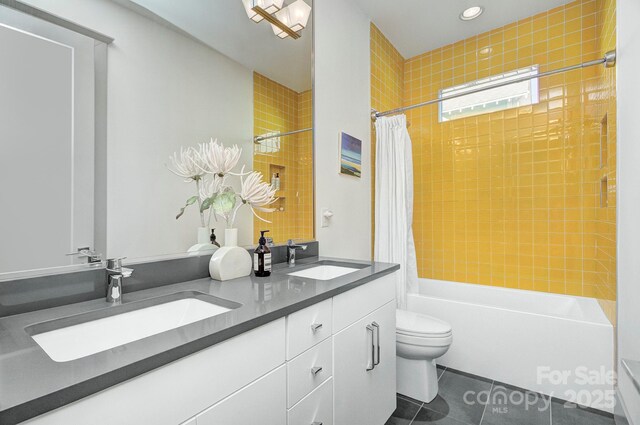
(115, 275)
(291, 252)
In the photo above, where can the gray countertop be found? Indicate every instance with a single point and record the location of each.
(31, 383)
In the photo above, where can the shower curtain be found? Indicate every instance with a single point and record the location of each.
(394, 203)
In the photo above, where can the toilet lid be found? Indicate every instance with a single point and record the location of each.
(411, 323)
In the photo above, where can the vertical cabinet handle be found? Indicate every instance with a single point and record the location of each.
(371, 364)
(315, 327)
(376, 352)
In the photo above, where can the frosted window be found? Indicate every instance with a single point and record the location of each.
(491, 99)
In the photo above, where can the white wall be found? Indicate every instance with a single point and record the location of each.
(342, 103)
(164, 90)
(628, 198)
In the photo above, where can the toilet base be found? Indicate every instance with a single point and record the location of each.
(417, 379)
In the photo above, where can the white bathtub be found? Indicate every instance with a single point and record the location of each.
(558, 345)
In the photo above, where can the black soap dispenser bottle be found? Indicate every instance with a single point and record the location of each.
(212, 238)
(262, 257)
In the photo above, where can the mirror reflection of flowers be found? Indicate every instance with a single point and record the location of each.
(210, 166)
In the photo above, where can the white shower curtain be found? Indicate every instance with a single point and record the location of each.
(394, 203)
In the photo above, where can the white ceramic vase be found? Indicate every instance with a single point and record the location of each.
(204, 243)
(230, 261)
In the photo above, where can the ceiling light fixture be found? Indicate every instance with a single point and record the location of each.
(471, 13)
(286, 21)
(295, 17)
(269, 6)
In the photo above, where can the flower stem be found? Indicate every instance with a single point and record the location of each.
(200, 203)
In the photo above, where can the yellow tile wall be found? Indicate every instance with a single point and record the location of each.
(604, 243)
(304, 167)
(511, 198)
(387, 87)
(280, 109)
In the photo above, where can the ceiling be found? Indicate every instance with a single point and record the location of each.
(224, 26)
(418, 26)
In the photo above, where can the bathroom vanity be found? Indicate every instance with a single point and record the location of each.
(287, 349)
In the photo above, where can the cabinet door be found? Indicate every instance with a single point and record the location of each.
(363, 396)
(262, 402)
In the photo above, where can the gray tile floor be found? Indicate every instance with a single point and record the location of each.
(465, 399)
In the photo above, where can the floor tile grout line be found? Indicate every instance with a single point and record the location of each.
(423, 404)
(486, 404)
(443, 371)
(413, 400)
(416, 415)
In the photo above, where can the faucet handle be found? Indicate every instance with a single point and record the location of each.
(91, 255)
(115, 264)
(292, 245)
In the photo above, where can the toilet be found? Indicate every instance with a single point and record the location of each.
(420, 340)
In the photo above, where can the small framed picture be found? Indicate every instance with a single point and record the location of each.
(350, 155)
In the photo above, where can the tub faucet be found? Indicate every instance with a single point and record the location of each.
(291, 252)
(115, 275)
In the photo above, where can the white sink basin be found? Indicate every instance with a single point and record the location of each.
(324, 272)
(85, 339)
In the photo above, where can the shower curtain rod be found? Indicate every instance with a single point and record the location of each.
(609, 60)
(259, 139)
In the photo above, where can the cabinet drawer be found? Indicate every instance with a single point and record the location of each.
(353, 305)
(261, 402)
(302, 373)
(307, 327)
(316, 408)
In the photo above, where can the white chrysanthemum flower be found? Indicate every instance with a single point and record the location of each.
(257, 194)
(210, 186)
(219, 160)
(188, 165)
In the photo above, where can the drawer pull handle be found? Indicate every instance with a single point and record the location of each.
(370, 363)
(316, 370)
(315, 327)
(316, 423)
(376, 353)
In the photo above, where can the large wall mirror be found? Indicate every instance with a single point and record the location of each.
(88, 167)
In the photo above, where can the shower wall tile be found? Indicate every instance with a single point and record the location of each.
(280, 109)
(512, 198)
(304, 167)
(603, 218)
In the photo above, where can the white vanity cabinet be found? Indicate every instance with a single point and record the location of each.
(365, 354)
(261, 402)
(332, 363)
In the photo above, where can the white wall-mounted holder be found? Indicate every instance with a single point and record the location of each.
(326, 217)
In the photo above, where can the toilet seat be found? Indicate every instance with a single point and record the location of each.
(411, 324)
(425, 341)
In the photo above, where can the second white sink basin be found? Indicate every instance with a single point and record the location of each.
(324, 272)
(84, 339)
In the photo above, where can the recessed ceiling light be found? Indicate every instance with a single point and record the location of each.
(471, 13)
